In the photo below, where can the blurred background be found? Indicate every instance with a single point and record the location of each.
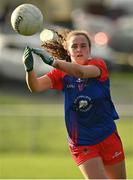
(33, 142)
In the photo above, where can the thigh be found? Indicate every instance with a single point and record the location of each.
(116, 171)
(81, 154)
(93, 169)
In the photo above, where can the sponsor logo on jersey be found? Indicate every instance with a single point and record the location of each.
(82, 103)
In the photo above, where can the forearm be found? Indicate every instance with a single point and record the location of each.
(70, 68)
(77, 70)
(32, 81)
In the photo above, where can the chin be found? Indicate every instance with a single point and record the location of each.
(82, 61)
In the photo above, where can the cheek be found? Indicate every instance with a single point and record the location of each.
(87, 52)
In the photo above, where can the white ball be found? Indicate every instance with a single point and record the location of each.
(27, 19)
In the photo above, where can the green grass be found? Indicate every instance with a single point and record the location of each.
(122, 87)
(55, 161)
(125, 128)
(42, 152)
(17, 166)
(46, 166)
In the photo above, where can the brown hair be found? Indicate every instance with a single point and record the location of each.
(58, 47)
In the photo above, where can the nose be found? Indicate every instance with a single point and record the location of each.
(78, 48)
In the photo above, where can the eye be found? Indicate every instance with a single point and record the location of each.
(74, 46)
(83, 45)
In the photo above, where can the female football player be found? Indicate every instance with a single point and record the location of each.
(89, 111)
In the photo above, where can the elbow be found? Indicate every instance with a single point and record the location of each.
(32, 89)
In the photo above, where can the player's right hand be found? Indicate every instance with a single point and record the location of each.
(28, 59)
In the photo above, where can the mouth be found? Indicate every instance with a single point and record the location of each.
(79, 55)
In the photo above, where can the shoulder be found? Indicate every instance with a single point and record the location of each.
(100, 63)
(97, 62)
(56, 77)
(55, 72)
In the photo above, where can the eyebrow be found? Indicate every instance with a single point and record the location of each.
(77, 44)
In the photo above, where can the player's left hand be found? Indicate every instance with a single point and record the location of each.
(44, 56)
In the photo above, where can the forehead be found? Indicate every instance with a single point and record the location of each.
(77, 39)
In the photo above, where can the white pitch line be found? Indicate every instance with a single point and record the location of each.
(31, 110)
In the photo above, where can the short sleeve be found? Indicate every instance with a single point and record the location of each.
(102, 66)
(56, 77)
